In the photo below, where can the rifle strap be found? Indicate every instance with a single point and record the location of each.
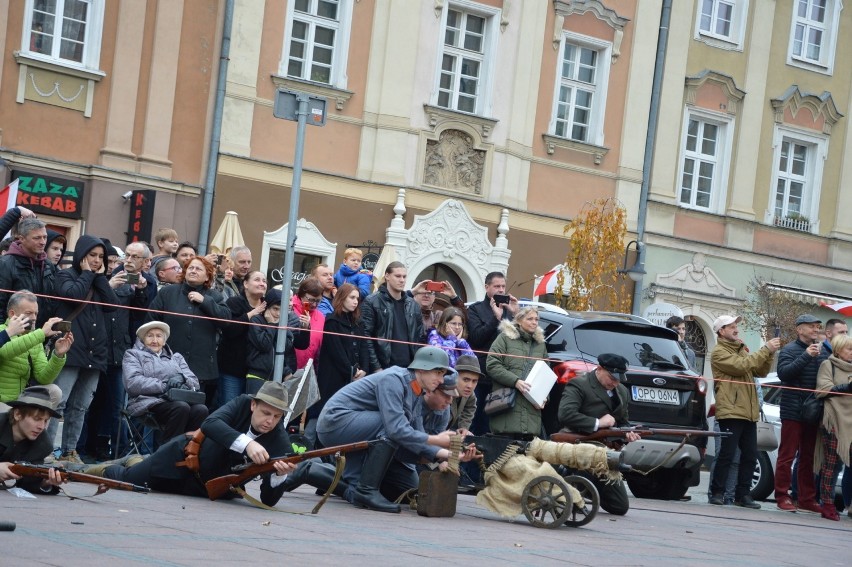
(338, 473)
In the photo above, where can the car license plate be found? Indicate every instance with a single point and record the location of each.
(656, 395)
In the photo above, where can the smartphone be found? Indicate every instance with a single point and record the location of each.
(28, 326)
(132, 278)
(62, 326)
(502, 299)
(777, 331)
(219, 259)
(434, 286)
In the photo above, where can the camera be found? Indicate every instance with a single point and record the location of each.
(28, 326)
(219, 259)
(501, 299)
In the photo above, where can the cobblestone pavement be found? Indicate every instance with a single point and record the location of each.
(120, 528)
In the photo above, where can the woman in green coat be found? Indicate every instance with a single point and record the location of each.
(523, 341)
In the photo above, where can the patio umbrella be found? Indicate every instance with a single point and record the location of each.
(844, 308)
(387, 256)
(228, 235)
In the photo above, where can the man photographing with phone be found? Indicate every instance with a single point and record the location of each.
(483, 318)
(23, 356)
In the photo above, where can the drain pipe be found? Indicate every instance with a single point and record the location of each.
(650, 141)
(216, 133)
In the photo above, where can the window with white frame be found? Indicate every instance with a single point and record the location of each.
(813, 35)
(465, 58)
(317, 42)
(797, 179)
(705, 152)
(580, 98)
(67, 32)
(721, 23)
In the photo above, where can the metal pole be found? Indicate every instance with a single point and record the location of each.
(216, 134)
(650, 141)
(281, 341)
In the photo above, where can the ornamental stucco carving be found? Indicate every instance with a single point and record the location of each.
(450, 230)
(452, 162)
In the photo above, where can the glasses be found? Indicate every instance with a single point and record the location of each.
(455, 324)
(175, 269)
(134, 257)
(312, 300)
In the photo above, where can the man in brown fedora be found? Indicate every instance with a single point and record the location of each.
(246, 429)
(23, 437)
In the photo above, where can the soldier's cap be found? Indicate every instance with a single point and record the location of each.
(430, 358)
(615, 364)
(274, 394)
(467, 363)
(724, 321)
(39, 397)
(450, 381)
(806, 319)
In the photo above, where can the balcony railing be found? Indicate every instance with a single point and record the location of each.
(793, 223)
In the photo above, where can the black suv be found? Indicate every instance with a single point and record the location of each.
(663, 392)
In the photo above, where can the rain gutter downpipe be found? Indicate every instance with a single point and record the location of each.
(216, 133)
(650, 142)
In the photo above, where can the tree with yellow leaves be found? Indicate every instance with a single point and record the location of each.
(596, 237)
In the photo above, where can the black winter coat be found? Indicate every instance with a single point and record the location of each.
(377, 316)
(344, 350)
(120, 334)
(232, 360)
(90, 348)
(18, 272)
(483, 329)
(798, 369)
(195, 337)
(260, 348)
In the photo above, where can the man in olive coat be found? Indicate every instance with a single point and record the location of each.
(597, 400)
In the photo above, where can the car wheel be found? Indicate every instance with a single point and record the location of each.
(763, 481)
(664, 484)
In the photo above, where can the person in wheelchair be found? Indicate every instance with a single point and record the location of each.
(158, 380)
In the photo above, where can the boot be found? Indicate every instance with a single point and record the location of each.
(317, 474)
(366, 494)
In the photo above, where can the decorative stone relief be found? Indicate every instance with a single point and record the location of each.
(451, 230)
(452, 162)
(734, 94)
(696, 277)
(565, 8)
(820, 106)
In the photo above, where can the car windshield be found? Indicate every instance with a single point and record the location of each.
(643, 345)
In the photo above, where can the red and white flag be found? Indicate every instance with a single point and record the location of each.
(9, 197)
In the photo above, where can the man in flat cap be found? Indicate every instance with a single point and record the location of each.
(598, 400)
(737, 409)
(23, 435)
(246, 429)
(798, 364)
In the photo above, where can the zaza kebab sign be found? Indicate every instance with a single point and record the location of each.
(49, 195)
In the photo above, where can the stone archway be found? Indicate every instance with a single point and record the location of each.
(448, 235)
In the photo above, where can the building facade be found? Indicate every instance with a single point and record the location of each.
(498, 120)
(104, 112)
(752, 173)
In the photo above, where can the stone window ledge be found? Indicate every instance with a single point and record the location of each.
(552, 142)
(57, 67)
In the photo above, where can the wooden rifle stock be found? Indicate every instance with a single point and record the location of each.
(104, 484)
(612, 433)
(219, 486)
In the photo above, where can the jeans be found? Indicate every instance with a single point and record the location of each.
(744, 436)
(733, 470)
(103, 419)
(230, 387)
(801, 436)
(78, 387)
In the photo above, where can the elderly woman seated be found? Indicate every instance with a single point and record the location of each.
(151, 370)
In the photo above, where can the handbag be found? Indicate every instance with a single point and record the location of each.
(767, 440)
(812, 408)
(189, 396)
(499, 401)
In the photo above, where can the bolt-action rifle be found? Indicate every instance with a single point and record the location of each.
(615, 435)
(219, 486)
(104, 484)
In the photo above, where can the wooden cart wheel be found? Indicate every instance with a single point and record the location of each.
(546, 502)
(580, 516)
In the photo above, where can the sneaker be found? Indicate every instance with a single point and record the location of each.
(716, 500)
(747, 502)
(71, 457)
(829, 512)
(786, 504)
(849, 511)
(811, 507)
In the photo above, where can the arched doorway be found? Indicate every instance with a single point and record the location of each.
(441, 273)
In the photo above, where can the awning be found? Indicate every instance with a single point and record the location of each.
(807, 296)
